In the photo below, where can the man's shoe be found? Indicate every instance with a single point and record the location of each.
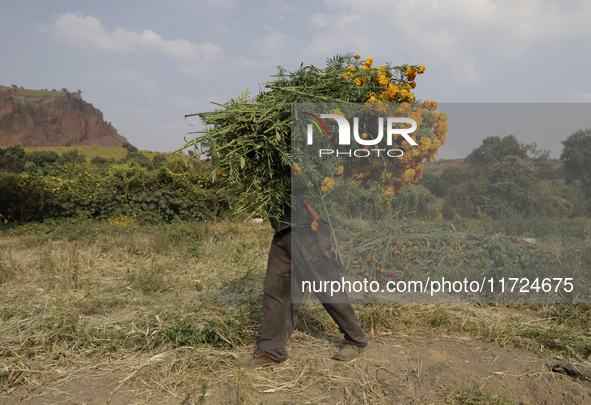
(348, 352)
(258, 359)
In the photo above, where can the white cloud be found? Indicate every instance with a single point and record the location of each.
(272, 43)
(578, 96)
(281, 7)
(319, 20)
(79, 30)
(466, 38)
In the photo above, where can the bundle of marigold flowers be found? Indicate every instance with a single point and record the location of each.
(249, 139)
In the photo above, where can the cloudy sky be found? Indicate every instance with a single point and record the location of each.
(145, 64)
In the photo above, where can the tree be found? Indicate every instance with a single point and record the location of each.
(72, 156)
(576, 156)
(12, 159)
(130, 148)
(98, 161)
(134, 155)
(494, 149)
(451, 176)
(159, 160)
(42, 157)
(511, 187)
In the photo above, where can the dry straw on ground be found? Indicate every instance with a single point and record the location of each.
(99, 300)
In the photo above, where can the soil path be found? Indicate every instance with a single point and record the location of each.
(424, 368)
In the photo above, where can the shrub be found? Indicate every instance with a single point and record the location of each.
(12, 159)
(22, 196)
(72, 156)
(42, 157)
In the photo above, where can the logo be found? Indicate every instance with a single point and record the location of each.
(345, 134)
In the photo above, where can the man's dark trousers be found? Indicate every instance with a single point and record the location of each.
(313, 261)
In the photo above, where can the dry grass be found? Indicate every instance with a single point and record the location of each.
(112, 290)
(92, 297)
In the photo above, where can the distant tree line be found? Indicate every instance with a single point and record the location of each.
(14, 159)
(63, 90)
(511, 178)
(506, 179)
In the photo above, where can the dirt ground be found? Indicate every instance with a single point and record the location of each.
(424, 368)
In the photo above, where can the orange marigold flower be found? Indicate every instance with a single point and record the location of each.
(410, 73)
(296, 170)
(436, 144)
(388, 190)
(327, 184)
(421, 69)
(368, 63)
(441, 129)
(408, 175)
(430, 105)
(425, 140)
(314, 226)
(340, 170)
(371, 99)
(418, 176)
(382, 80)
(403, 109)
(380, 107)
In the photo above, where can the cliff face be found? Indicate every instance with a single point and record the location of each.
(41, 118)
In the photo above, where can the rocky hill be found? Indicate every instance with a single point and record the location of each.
(52, 118)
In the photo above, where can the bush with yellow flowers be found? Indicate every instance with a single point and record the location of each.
(249, 140)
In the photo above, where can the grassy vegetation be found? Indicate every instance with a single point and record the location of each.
(92, 151)
(475, 396)
(74, 295)
(37, 95)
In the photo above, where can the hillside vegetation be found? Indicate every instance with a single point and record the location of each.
(91, 152)
(38, 95)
